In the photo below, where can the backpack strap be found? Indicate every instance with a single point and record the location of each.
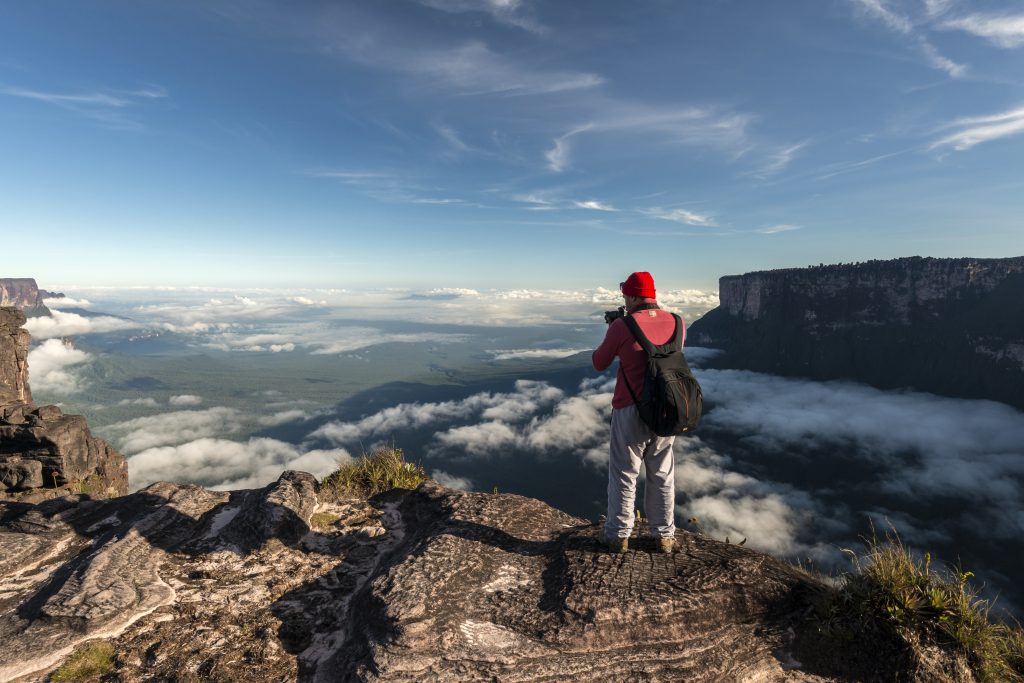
(649, 348)
(675, 343)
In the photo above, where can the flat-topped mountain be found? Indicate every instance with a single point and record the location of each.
(948, 326)
(23, 293)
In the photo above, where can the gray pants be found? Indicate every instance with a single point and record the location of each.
(633, 443)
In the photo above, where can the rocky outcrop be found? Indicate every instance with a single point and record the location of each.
(291, 583)
(948, 326)
(23, 293)
(14, 343)
(43, 452)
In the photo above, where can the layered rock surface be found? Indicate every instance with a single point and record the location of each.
(43, 452)
(14, 341)
(949, 326)
(291, 583)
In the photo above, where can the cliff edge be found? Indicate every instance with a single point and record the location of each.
(949, 326)
(43, 452)
(292, 583)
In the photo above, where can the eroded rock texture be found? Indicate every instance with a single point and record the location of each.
(43, 452)
(948, 326)
(13, 357)
(289, 583)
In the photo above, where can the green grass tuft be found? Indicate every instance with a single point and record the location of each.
(894, 591)
(382, 470)
(93, 486)
(95, 659)
(320, 520)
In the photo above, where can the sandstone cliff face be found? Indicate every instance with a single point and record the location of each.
(949, 326)
(13, 357)
(23, 293)
(43, 452)
(289, 583)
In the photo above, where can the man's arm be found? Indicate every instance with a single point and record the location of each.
(609, 348)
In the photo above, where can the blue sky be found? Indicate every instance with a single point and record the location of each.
(503, 143)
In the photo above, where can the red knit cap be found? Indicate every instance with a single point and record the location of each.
(639, 284)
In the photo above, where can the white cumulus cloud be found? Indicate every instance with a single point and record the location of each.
(61, 324)
(66, 302)
(223, 464)
(50, 367)
(168, 429)
(451, 481)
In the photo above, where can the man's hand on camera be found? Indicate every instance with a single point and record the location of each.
(612, 316)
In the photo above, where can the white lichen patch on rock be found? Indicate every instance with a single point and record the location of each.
(506, 578)
(482, 635)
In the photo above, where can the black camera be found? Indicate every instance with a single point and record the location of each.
(612, 316)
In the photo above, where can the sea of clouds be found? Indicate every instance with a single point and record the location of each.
(317, 322)
(971, 451)
(735, 478)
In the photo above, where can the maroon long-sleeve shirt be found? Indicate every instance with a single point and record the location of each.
(657, 325)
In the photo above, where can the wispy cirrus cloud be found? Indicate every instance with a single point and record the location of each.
(385, 186)
(936, 8)
(975, 130)
(879, 10)
(537, 201)
(1004, 30)
(474, 69)
(709, 126)
(779, 160)
(775, 229)
(840, 168)
(594, 205)
(107, 107)
(682, 216)
(510, 12)
(349, 175)
(558, 156)
(452, 137)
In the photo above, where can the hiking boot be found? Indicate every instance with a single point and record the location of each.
(664, 545)
(614, 545)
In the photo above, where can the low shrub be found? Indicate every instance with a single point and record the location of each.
(893, 591)
(382, 470)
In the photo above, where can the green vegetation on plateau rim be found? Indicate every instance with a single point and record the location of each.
(382, 470)
(897, 596)
(95, 659)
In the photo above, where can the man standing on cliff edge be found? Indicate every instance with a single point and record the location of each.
(632, 441)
